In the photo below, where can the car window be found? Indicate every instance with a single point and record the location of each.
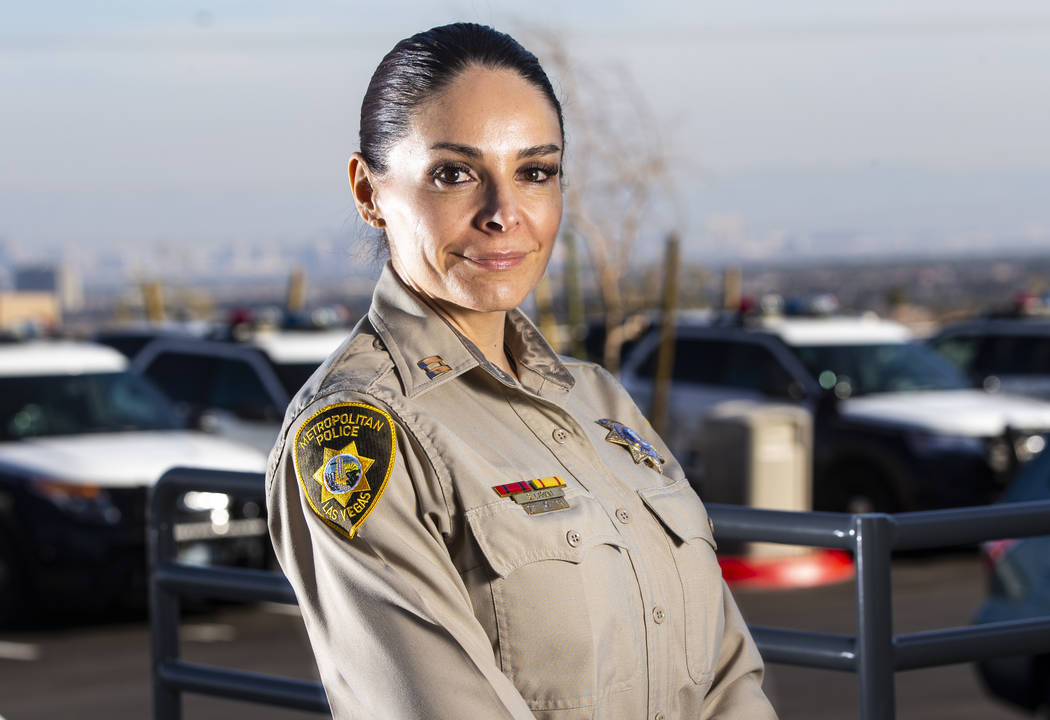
(889, 367)
(40, 406)
(294, 375)
(183, 377)
(199, 382)
(1013, 355)
(961, 350)
(725, 363)
(753, 367)
(238, 389)
(696, 361)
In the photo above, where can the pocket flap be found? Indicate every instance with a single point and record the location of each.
(681, 511)
(510, 538)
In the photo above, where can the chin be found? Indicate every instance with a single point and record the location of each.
(494, 295)
(495, 300)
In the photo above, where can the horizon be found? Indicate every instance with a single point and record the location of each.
(888, 127)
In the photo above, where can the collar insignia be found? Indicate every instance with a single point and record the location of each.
(641, 451)
(433, 366)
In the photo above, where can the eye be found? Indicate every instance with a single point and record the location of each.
(451, 174)
(539, 173)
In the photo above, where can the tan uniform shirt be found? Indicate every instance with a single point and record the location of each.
(428, 594)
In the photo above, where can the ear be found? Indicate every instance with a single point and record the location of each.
(362, 186)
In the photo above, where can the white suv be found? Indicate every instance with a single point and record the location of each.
(896, 426)
(82, 439)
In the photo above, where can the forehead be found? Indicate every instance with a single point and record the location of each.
(492, 110)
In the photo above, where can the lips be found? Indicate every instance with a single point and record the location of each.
(497, 260)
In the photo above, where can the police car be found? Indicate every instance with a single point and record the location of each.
(1005, 353)
(237, 390)
(82, 439)
(896, 426)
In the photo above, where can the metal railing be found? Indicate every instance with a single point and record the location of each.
(875, 653)
(170, 581)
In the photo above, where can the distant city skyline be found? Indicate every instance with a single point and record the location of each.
(811, 130)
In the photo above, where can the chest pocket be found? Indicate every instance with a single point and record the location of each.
(567, 606)
(693, 545)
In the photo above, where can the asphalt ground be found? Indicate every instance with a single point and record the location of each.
(91, 668)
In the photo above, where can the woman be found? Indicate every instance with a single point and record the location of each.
(474, 526)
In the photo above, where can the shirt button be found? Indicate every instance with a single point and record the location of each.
(561, 435)
(658, 615)
(659, 716)
(377, 344)
(573, 538)
(623, 515)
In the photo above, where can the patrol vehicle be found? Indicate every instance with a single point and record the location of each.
(82, 439)
(1006, 354)
(896, 426)
(237, 389)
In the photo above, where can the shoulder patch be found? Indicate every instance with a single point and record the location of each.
(344, 455)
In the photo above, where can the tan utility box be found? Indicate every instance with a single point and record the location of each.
(759, 455)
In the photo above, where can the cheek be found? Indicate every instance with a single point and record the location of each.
(547, 218)
(429, 220)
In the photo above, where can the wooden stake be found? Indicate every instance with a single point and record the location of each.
(665, 358)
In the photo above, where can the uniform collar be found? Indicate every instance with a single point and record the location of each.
(427, 351)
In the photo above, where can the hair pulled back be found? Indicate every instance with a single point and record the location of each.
(423, 65)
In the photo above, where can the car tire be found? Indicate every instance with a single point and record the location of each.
(856, 488)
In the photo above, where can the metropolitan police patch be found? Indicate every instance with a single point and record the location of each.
(343, 458)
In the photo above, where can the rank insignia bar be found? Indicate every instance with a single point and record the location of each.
(641, 451)
(433, 366)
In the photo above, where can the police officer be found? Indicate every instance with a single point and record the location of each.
(474, 526)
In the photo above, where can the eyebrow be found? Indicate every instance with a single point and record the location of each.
(473, 152)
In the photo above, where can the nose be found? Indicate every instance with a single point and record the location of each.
(500, 212)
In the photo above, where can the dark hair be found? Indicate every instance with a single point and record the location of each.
(426, 63)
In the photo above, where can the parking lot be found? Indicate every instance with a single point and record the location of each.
(100, 668)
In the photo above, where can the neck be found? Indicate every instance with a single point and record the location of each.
(484, 329)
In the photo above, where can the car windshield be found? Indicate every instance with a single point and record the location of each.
(38, 406)
(879, 368)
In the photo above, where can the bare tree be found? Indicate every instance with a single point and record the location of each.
(617, 179)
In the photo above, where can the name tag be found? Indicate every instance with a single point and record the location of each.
(544, 506)
(533, 495)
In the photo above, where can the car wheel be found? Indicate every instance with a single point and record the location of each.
(856, 488)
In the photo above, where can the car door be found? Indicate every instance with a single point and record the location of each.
(708, 372)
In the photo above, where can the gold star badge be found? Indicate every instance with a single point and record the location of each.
(362, 484)
(641, 450)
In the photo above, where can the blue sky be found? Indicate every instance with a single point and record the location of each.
(128, 122)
